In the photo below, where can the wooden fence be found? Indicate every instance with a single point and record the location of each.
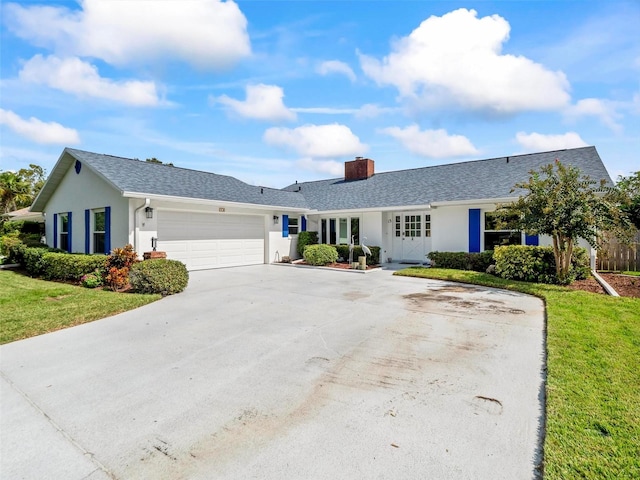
(620, 257)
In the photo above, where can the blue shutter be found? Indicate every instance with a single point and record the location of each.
(107, 230)
(87, 231)
(304, 224)
(69, 225)
(474, 230)
(55, 230)
(285, 226)
(532, 240)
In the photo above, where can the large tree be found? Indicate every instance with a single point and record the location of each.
(19, 189)
(630, 188)
(564, 204)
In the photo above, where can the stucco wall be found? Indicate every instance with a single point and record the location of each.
(85, 190)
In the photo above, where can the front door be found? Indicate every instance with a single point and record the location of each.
(409, 236)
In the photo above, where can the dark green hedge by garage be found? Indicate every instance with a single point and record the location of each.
(159, 275)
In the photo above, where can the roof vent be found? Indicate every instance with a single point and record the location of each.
(359, 169)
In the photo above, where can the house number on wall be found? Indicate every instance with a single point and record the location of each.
(221, 209)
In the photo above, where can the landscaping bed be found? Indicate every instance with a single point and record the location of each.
(336, 265)
(625, 285)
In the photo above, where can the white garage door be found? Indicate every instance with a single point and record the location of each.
(205, 240)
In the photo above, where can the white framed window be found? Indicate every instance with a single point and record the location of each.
(63, 240)
(495, 235)
(99, 230)
(293, 225)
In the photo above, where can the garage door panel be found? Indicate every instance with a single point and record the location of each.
(203, 241)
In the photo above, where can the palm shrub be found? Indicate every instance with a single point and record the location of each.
(160, 275)
(321, 254)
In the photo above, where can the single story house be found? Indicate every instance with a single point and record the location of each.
(94, 202)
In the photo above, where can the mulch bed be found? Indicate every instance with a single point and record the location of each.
(625, 285)
(338, 266)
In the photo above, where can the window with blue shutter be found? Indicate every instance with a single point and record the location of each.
(87, 231)
(69, 241)
(304, 224)
(55, 230)
(285, 226)
(474, 230)
(531, 240)
(107, 230)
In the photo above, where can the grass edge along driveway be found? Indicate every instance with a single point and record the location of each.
(30, 307)
(593, 377)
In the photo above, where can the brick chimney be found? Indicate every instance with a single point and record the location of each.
(358, 169)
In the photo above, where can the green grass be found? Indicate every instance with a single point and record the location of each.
(635, 274)
(30, 307)
(593, 377)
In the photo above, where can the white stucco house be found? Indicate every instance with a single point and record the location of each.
(94, 202)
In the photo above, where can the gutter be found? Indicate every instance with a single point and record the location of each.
(607, 288)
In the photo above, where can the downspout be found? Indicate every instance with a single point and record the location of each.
(136, 234)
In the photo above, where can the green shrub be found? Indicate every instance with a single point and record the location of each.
(343, 252)
(92, 280)
(537, 264)
(159, 276)
(12, 247)
(304, 239)
(32, 260)
(69, 266)
(321, 254)
(478, 262)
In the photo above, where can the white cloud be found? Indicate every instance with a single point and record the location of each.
(457, 59)
(330, 167)
(263, 102)
(317, 141)
(80, 78)
(204, 33)
(538, 142)
(39, 131)
(594, 107)
(336, 66)
(431, 143)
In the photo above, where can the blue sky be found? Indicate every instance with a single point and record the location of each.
(277, 91)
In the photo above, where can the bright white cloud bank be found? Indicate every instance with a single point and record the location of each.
(39, 131)
(204, 33)
(538, 142)
(317, 141)
(336, 66)
(72, 75)
(457, 59)
(594, 107)
(263, 102)
(431, 143)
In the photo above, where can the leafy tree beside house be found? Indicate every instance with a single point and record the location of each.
(630, 188)
(19, 189)
(565, 205)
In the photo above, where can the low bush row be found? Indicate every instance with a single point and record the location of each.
(478, 262)
(320, 254)
(118, 271)
(515, 262)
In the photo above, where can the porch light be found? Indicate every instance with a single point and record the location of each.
(275, 219)
(148, 212)
(154, 243)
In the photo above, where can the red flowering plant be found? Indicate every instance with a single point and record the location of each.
(117, 267)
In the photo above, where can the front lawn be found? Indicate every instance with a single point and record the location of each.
(30, 307)
(593, 377)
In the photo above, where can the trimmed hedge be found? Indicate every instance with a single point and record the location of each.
(478, 262)
(159, 275)
(69, 266)
(304, 239)
(373, 259)
(321, 254)
(537, 264)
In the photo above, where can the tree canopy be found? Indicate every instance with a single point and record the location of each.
(630, 188)
(19, 189)
(564, 204)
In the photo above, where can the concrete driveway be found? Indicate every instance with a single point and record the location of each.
(284, 373)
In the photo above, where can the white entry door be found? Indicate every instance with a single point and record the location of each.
(205, 240)
(411, 236)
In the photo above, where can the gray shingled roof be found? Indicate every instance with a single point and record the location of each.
(480, 179)
(136, 176)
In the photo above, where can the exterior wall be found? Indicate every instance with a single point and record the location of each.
(85, 190)
(450, 228)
